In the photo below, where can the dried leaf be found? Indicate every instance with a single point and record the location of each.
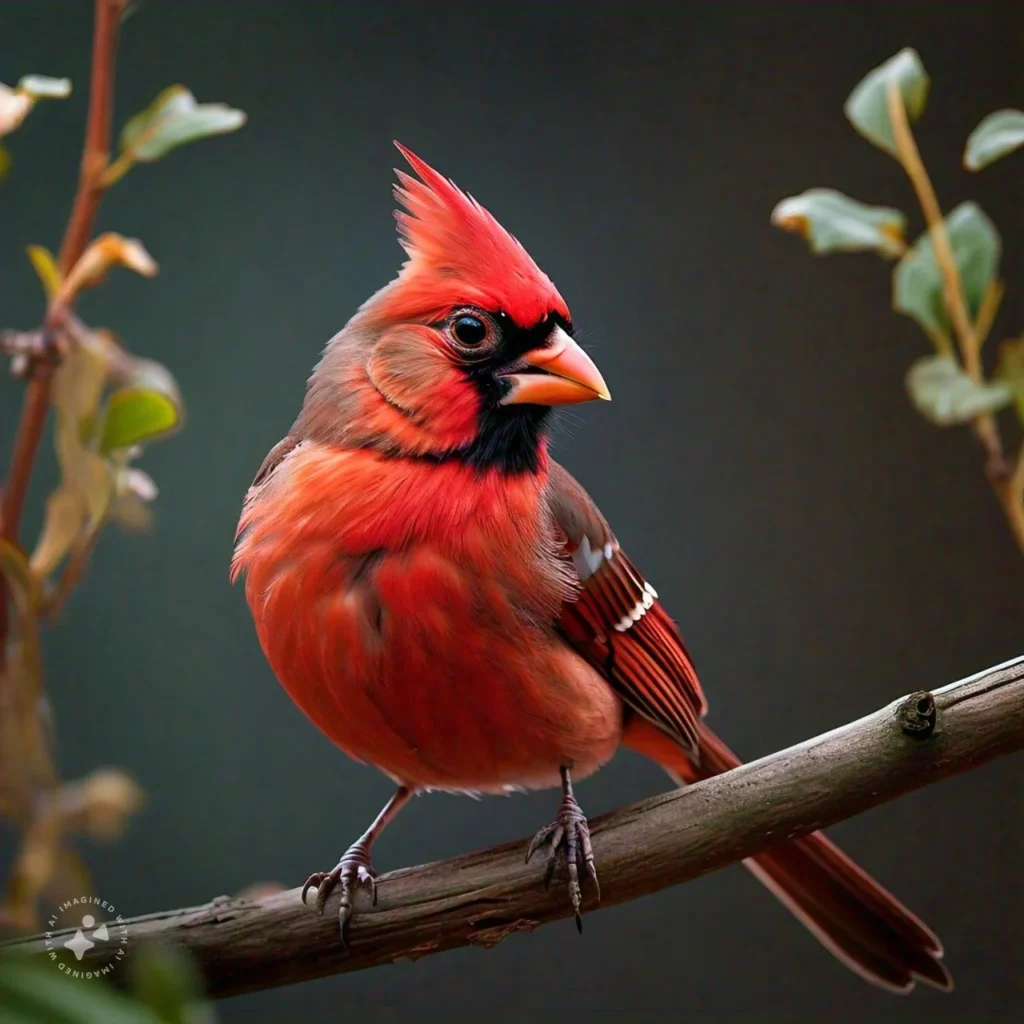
(45, 266)
(832, 222)
(173, 119)
(105, 800)
(5, 162)
(943, 393)
(109, 250)
(65, 516)
(78, 387)
(998, 134)
(25, 660)
(91, 476)
(867, 107)
(83, 373)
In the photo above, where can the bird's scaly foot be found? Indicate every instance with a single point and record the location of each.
(352, 870)
(569, 839)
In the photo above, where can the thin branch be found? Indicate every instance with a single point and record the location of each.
(969, 334)
(76, 238)
(242, 945)
(96, 154)
(952, 285)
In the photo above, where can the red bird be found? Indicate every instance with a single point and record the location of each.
(448, 604)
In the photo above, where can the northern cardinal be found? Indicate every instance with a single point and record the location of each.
(448, 604)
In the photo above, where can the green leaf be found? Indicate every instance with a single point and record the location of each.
(39, 87)
(165, 979)
(867, 107)
(917, 280)
(1011, 371)
(173, 119)
(36, 991)
(943, 393)
(135, 415)
(998, 134)
(45, 266)
(832, 222)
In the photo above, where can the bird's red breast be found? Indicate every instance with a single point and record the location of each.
(408, 609)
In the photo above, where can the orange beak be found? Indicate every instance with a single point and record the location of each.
(568, 375)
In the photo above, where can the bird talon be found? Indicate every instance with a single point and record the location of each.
(570, 847)
(542, 837)
(354, 869)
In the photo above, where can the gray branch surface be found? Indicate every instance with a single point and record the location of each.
(242, 946)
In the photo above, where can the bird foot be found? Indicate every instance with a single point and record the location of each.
(354, 869)
(569, 839)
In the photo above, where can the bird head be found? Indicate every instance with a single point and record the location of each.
(463, 354)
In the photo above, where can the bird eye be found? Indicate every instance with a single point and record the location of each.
(469, 330)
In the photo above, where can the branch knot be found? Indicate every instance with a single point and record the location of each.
(917, 715)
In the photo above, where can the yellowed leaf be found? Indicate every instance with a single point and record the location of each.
(108, 798)
(109, 250)
(65, 516)
(77, 391)
(45, 266)
(85, 472)
(80, 379)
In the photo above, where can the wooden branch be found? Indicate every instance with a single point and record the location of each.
(479, 899)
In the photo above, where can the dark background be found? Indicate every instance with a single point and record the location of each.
(824, 548)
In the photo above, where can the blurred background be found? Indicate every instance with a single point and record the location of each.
(823, 547)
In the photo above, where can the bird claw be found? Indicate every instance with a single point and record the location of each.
(354, 869)
(569, 839)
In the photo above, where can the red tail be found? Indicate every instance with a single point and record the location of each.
(856, 919)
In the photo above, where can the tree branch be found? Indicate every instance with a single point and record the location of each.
(479, 899)
(79, 230)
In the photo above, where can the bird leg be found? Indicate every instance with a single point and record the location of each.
(354, 868)
(569, 837)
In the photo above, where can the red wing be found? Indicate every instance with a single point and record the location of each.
(617, 624)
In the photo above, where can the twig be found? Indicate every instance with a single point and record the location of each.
(242, 945)
(76, 238)
(969, 335)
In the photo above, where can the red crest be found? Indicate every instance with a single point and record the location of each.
(458, 253)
